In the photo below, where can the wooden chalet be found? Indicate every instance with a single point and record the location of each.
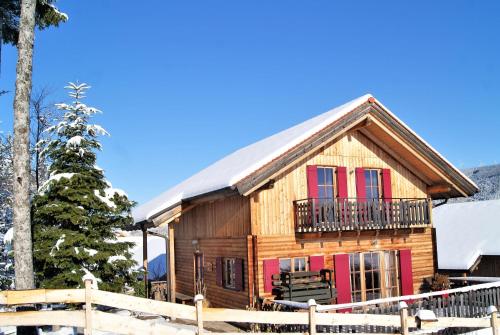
(339, 205)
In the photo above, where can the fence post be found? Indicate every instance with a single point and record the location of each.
(312, 316)
(493, 313)
(403, 313)
(198, 300)
(88, 307)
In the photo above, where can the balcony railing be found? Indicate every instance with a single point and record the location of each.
(324, 215)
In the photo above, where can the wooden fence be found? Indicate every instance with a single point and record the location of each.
(90, 318)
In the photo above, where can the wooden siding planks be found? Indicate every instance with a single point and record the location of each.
(273, 213)
(288, 246)
(211, 249)
(227, 217)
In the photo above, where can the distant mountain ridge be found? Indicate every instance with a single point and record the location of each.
(487, 178)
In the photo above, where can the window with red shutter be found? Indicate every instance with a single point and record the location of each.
(360, 184)
(271, 267)
(405, 272)
(316, 263)
(312, 181)
(342, 279)
(342, 182)
(386, 184)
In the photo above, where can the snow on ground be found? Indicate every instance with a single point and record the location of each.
(465, 231)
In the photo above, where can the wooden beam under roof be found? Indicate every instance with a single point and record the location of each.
(172, 214)
(416, 153)
(438, 189)
(366, 132)
(462, 183)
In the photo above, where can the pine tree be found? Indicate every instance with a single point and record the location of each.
(77, 212)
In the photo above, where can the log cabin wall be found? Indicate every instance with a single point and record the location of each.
(211, 249)
(220, 229)
(227, 217)
(272, 211)
(420, 243)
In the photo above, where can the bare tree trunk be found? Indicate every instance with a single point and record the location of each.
(23, 252)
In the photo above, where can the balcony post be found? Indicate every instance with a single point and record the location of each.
(429, 211)
(313, 207)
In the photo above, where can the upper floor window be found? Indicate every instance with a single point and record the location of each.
(372, 183)
(326, 182)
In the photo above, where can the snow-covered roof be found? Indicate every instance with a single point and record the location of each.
(465, 231)
(236, 166)
(228, 171)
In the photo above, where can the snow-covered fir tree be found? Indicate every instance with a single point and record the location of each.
(6, 173)
(76, 213)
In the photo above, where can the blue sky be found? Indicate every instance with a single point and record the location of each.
(184, 83)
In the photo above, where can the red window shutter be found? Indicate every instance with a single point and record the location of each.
(360, 184)
(342, 279)
(341, 182)
(271, 267)
(316, 263)
(312, 181)
(238, 274)
(405, 272)
(218, 271)
(386, 184)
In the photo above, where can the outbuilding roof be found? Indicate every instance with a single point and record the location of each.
(243, 163)
(466, 231)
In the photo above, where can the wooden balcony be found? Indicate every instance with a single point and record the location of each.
(324, 215)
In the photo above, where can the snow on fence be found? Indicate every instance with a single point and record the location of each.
(91, 319)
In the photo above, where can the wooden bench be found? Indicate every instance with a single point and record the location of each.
(305, 285)
(183, 298)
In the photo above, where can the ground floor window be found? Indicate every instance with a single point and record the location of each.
(374, 275)
(293, 264)
(229, 273)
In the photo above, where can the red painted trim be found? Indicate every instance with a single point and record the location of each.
(386, 184)
(271, 267)
(342, 279)
(360, 183)
(371, 99)
(316, 263)
(312, 181)
(342, 182)
(406, 272)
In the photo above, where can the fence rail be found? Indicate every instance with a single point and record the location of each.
(324, 215)
(90, 319)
